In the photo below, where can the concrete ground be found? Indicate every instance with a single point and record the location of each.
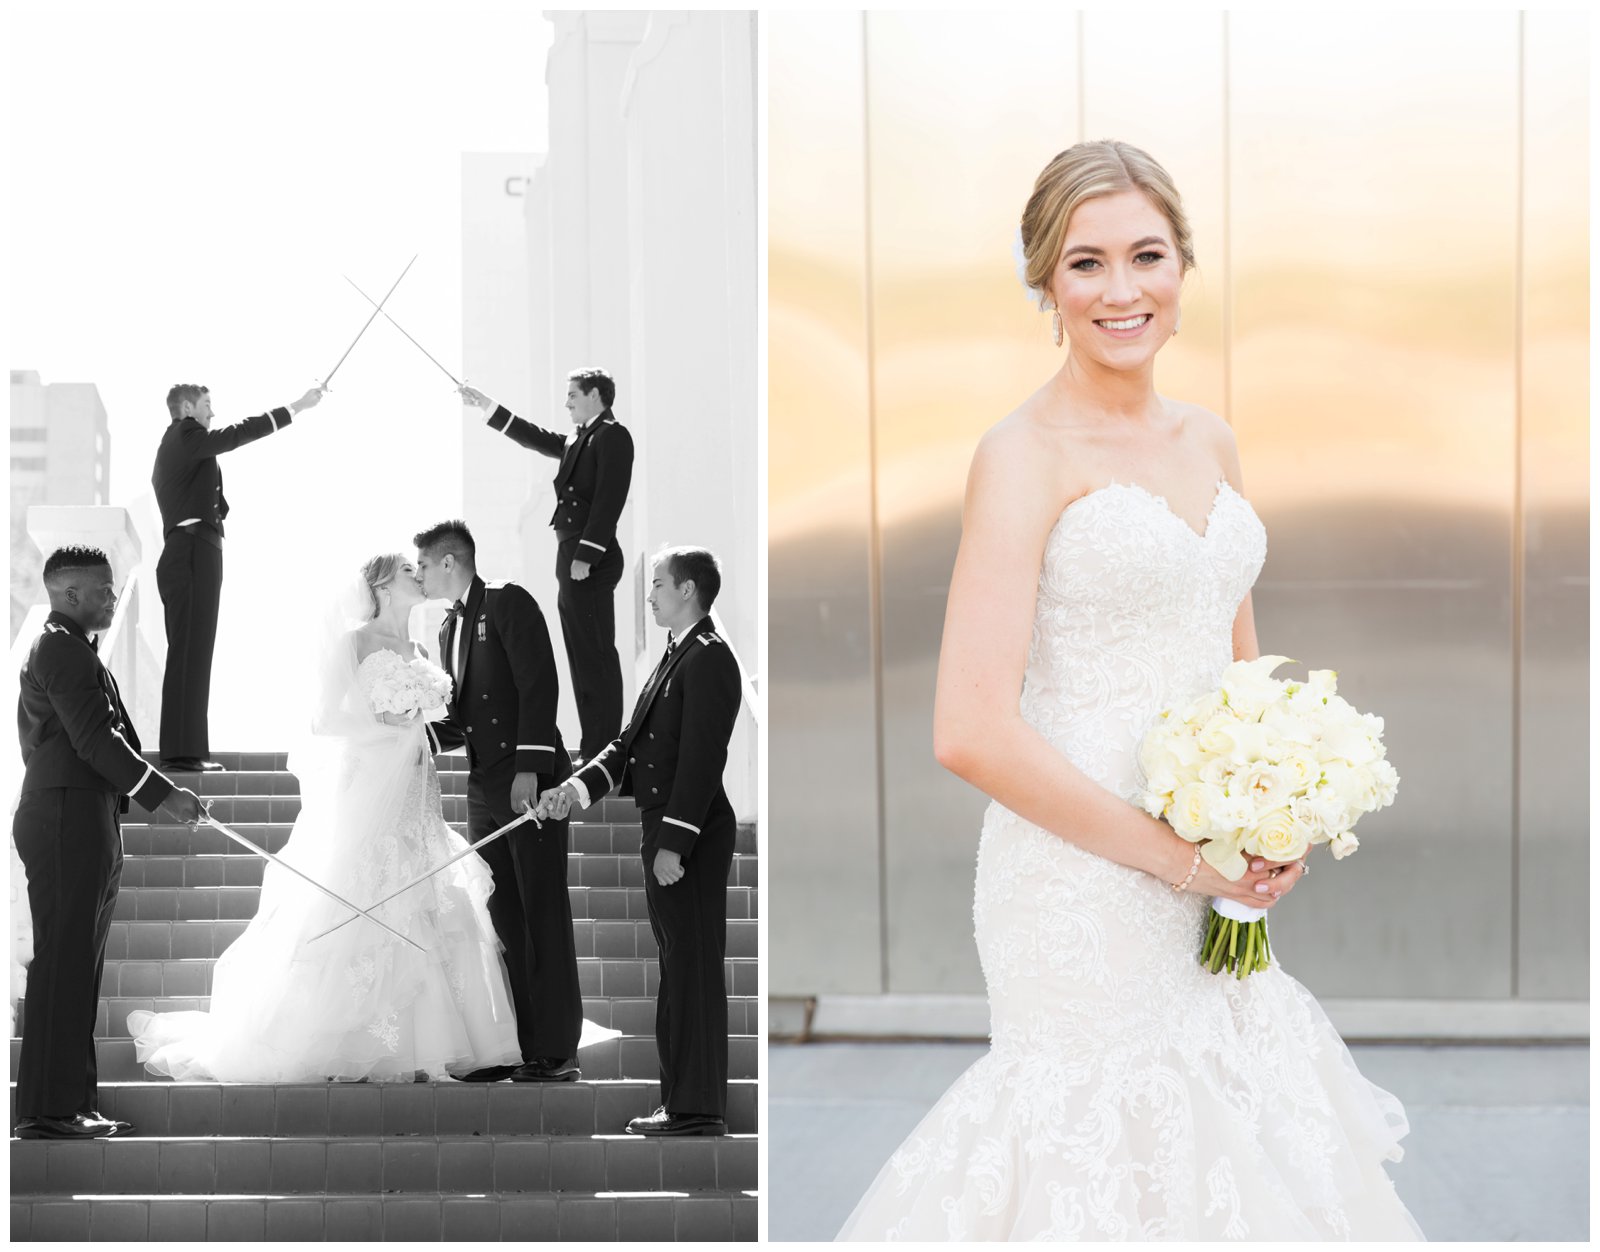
(1498, 1149)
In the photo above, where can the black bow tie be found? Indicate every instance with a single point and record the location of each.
(454, 611)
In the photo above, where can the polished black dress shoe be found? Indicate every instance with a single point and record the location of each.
(180, 764)
(75, 1127)
(210, 766)
(662, 1122)
(547, 1069)
(489, 1073)
(120, 1129)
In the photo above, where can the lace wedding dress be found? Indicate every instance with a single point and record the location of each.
(359, 1003)
(1128, 1093)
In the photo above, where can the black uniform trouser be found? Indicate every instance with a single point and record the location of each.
(189, 577)
(531, 911)
(690, 922)
(589, 629)
(70, 842)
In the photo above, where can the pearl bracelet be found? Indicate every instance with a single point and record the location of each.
(1193, 870)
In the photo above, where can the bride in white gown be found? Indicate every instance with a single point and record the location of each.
(1106, 560)
(360, 1003)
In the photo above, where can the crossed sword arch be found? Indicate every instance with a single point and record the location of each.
(355, 909)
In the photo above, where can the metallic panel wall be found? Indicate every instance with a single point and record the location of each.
(1553, 847)
(1374, 395)
(1389, 307)
(823, 742)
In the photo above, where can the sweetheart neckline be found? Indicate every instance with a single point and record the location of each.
(1200, 535)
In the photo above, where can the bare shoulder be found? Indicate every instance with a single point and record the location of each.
(368, 643)
(1211, 430)
(1015, 463)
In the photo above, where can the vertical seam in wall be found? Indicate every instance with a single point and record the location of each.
(1518, 532)
(1227, 223)
(1083, 105)
(874, 544)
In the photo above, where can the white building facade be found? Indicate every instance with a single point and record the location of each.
(639, 258)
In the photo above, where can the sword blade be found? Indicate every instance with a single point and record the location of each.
(332, 895)
(367, 323)
(403, 331)
(443, 865)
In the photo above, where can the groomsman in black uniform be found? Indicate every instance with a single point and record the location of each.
(81, 759)
(591, 487)
(188, 484)
(496, 648)
(670, 758)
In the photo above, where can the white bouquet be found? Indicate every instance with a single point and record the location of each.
(1263, 767)
(407, 687)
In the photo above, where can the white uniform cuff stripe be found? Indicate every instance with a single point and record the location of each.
(685, 825)
(273, 416)
(534, 747)
(591, 543)
(610, 781)
(143, 778)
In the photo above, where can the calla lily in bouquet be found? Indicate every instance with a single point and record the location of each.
(1263, 767)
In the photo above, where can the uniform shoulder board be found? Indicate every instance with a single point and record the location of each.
(55, 628)
(610, 421)
(709, 638)
(499, 584)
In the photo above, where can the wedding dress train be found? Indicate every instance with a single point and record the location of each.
(1128, 1093)
(359, 1003)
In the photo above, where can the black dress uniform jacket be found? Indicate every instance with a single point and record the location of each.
(504, 701)
(593, 478)
(504, 710)
(670, 758)
(81, 761)
(187, 478)
(671, 753)
(73, 728)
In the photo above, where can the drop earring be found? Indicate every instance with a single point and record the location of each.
(1056, 328)
(1177, 325)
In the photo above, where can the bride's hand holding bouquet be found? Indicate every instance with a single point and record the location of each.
(1262, 770)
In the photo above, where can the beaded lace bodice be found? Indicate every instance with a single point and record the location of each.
(1135, 613)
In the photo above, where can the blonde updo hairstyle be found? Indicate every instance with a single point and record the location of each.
(1087, 171)
(380, 571)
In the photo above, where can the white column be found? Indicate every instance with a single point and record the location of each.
(689, 108)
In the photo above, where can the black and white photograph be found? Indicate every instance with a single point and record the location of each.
(1179, 490)
(386, 622)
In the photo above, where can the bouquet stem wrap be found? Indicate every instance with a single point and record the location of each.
(1236, 939)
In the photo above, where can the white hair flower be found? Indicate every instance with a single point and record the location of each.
(1020, 258)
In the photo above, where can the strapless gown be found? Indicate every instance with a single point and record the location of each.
(1128, 1093)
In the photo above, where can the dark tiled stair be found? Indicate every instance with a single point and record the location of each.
(382, 1161)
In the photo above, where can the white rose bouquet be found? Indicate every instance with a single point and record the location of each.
(1263, 767)
(408, 688)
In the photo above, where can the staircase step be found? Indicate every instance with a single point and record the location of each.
(183, 874)
(267, 823)
(296, 1165)
(587, 1107)
(626, 1056)
(491, 1217)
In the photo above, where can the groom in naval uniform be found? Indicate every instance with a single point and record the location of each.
(592, 480)
(188, 486)
(81, 761)
(496, 648)
(670, 758)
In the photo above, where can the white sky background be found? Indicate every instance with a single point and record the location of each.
(186, 186)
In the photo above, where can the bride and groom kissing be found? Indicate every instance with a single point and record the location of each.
(481, 983)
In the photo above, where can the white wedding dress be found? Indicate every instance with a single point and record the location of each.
(1128, 1093)
(359, 1003)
